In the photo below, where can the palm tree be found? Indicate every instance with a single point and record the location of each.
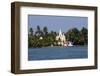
(38, 28)
(39, 31)
(45, 30)
(31, 31)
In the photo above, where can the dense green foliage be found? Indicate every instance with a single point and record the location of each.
(43, 38)
(77, 37)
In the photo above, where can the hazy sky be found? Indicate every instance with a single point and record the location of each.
(56, 22)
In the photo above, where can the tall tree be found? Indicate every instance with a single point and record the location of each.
(39, 31)
(73, 35)
(84, 33)
(31, 31)
(38, 28)
(45, 30)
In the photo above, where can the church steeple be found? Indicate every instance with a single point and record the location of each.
(61, 38)
(60, 33)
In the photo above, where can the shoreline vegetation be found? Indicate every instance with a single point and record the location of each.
(43, 38)
(59, 46)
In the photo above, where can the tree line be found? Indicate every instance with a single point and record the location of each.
(43, 38)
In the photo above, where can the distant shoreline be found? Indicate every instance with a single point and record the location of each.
(58, 46)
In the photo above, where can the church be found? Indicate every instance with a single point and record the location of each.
(61, 39)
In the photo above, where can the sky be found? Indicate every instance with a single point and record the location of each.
(56, 23)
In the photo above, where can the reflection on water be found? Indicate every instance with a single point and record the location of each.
(50, 53)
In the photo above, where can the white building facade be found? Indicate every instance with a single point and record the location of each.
(61, 38)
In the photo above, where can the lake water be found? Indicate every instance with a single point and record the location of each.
(49, 53)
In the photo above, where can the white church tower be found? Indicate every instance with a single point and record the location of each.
(60, 33)
(61, 38)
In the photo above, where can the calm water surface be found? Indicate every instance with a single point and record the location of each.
(50, 53)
